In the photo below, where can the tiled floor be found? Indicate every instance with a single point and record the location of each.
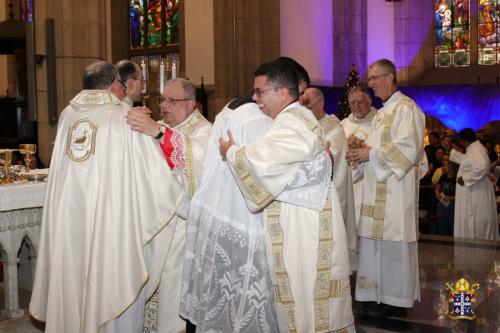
(441, 260)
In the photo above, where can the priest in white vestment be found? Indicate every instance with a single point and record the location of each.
(226, 281)
(184, 134)
(388, 226)
(475, 202)
(359, 124)
(103, 204)
(309, 267)
(334, 134)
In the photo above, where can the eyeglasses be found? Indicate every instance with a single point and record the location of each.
(172, 101)
(375, 77)
(258, 92)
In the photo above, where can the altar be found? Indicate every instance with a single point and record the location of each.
(20, 220)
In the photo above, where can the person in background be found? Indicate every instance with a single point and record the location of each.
(475, 204)
(445, 196)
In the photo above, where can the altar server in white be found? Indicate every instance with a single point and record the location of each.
(475, 204)
(109, 193)
(388, 160)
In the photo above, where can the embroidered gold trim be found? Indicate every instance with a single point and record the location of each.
(259, 195)
(69, 142)
(397, 156)
(190, 166)
(340, 288)
(324, 263)
(93, 98)
(195, 119)
(363, 282)
(311, 125)
(282, 290)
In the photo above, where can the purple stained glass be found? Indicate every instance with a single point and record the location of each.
(136, 24)
(488, 30)
(27, 10)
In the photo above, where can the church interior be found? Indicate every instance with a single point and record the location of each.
(446, 53)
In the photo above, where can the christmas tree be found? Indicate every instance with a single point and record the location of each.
(353, 79)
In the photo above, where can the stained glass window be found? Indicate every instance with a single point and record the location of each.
(172, 20)
(27, 10)
(452, 33)
(136, 24)
(154, 22)
(488, 31)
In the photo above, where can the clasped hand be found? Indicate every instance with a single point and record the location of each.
(358, 151)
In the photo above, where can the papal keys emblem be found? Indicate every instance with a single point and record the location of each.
(462, 295)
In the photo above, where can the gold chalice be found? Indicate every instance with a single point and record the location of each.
(27, 149)
(6, 159)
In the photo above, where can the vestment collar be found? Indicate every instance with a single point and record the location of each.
(94, 98)
(394, 97)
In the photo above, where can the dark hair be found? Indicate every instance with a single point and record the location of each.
(127, 70)
(280, 74)
(239, 101)
(467, 134)
(453, 165)
(99, 75)
(301, 72)
(434, 134)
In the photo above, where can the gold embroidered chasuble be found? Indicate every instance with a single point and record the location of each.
(389, 209)
(310, 274)
(102, 207)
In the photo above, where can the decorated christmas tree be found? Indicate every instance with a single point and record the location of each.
(353, 79)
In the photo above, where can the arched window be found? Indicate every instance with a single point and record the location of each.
(488, 32)
(452, 33)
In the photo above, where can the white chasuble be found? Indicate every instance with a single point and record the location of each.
(388, 255)
(335, 135)
(166, 252)
(109, 193)
(475, 203)
(361, 128)
(226, 281)
(307, 250)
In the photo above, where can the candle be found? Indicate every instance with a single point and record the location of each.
(174, 70)
(144, 75)
(162, 76)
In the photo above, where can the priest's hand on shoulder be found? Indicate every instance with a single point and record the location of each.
(460, 181)
(225, 145)
(141, 121)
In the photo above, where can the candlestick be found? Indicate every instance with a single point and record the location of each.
(162, 76)
(174, 70)
(144, 67)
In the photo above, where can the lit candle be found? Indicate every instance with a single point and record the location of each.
(174, 70)
(162, 76)
(144, 75)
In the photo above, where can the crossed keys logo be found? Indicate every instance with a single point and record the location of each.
(462, 295)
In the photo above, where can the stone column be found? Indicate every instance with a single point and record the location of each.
(11, 309)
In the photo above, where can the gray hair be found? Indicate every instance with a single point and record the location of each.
(99, 75)
(387, 66)
(362, 88)
(188, 88)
